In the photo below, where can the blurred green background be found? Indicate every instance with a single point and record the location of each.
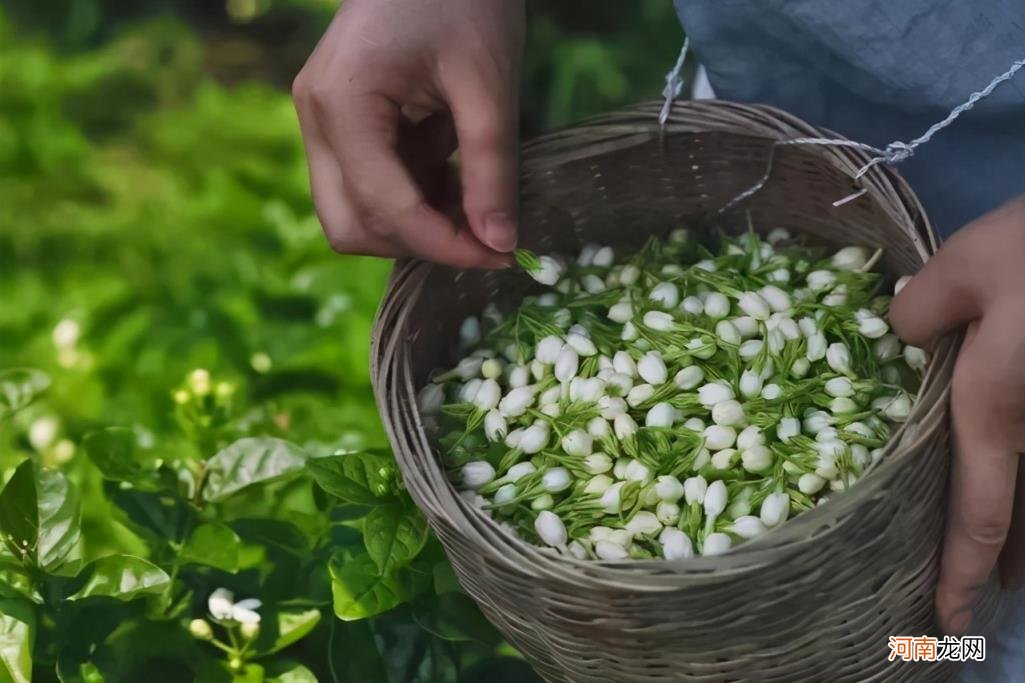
(155, 214)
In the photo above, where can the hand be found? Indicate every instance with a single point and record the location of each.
(978, 279)
(387, 95)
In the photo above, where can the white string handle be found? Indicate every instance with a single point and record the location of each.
(674, 84)
(893, 154)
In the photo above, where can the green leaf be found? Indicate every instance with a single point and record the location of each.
(248, 462)
(214, 545)
(17, 634)
(353, 654)
(123, 577)
(273, 533)
(296, 673)
(359, 590)
(362, 478)
(19, 387)
(113, 451)
(289, 626)
(394, 534)
(39, 516)
(455, 616)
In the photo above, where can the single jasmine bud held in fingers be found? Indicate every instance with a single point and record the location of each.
(550, 528)
(716, 544)
(477, 473)
(748, 527)
(652, 368)
(548, 270)
(775, 509)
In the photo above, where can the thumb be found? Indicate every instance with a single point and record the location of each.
(942, 296)
(485, 113)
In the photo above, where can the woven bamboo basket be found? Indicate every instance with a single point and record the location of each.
(814, 600)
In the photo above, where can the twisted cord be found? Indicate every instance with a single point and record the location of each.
(674, 84)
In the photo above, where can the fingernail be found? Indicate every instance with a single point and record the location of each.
(499, 232)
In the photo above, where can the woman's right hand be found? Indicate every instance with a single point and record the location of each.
(391, 90)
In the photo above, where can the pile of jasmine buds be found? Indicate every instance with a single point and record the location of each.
(673, 401)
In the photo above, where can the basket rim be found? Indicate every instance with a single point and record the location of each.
(391, 373)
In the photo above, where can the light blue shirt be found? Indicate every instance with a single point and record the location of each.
(879, 71)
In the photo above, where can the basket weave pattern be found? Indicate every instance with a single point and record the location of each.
(812, 601)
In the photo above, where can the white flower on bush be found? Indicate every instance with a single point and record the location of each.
(222, 606)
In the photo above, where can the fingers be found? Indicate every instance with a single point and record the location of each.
(484, 108)
(363, 135)
(942, 296)
(982, 479)
(1012, 557)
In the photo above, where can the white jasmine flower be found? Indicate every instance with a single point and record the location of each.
(550, 528)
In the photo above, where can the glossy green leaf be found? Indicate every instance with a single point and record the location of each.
(362, 478)
(274, 533)
(292, 673)
(17, 635)
(19, 387)
(39, 516)
(353, 655)
(289, 626)
(394, 534)
(123, 577)
(248, 462)
(214, 545)
(359, 591)
(115, 454)
(455, 617)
